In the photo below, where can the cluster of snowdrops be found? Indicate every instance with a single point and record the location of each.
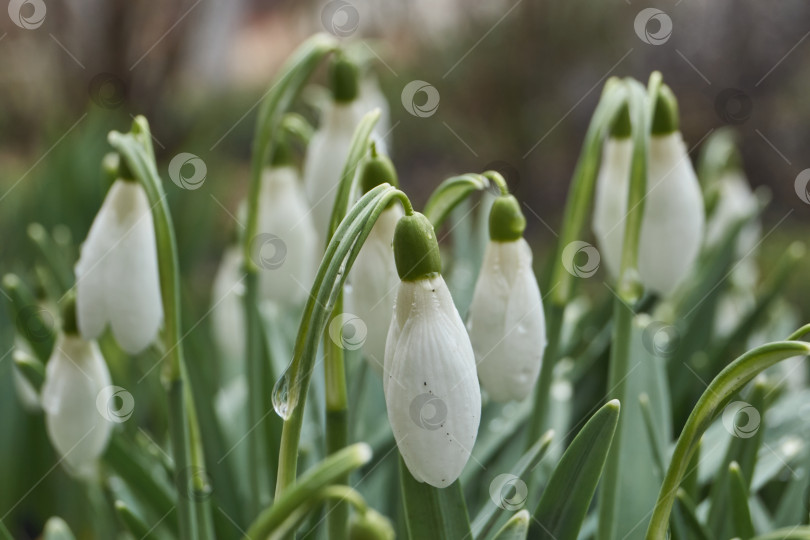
(337, 236)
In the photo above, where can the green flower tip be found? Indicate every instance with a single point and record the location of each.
(665, 116)
(114, 168)
(370, 525)
(506, 221)
(622, 127)
(69, 323)
(344, 79)
(416, 250)
(282, 153)
(377, 169)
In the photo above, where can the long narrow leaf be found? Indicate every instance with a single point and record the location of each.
(438, 514)
(566, 499)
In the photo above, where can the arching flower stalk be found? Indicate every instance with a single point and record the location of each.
(507, 323)
(75, 376)
(329, 146)
(430, 384)
(117, 273)
(673, 223)
(374, 274)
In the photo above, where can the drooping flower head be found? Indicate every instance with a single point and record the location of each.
(329, 147)
(430, 384)
(75, 376)
(673, 222)
(117, 282)
(286, 247)
(374, 274)
(506, 322)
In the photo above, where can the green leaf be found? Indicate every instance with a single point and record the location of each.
(516, 528)
(717, 395)
(489, 515)
(791, 533)
(438, 514)
(450, 193)
(685, 523)
(134, 523)
(35, 324)
(742, 451)
(565, 501)
(742, 527)
(321, 475)
(57, 529)
(4, 533)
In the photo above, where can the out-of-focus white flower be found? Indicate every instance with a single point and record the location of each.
(507, 324)
(75, 375)
(375, 277)
(228, 311)
(736, 201)
(286, 246)
(430, 384)
(329, 147)
(610, 203)
(673, 224)
(117, 279)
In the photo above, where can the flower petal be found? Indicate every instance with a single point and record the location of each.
(74, 376)
(431, 391)
(610, 205)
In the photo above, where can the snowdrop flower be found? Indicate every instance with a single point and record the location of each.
(507, 324)
(610, 199)
(673, 222)
(75, 375)
(286, 246)
(117, 279)
(430, 386)
(329, 147)
(374, 273)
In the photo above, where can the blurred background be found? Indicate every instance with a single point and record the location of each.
(517, 81)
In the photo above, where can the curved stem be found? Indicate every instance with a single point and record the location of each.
(722, 388)
(291, 391)
(450, 193)
(496, 178)
(137, 152)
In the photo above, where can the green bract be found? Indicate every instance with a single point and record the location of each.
(416, 249)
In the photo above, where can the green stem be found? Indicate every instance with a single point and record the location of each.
(537, 420)
(291, 390)
(717, 395)
(337, 427)
(136, 149)
(325, 473)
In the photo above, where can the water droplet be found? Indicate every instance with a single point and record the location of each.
(282, 400)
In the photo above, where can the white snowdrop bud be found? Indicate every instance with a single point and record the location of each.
(374, 274)
(610, 199)
(431, 391)
(674, 220)
(75, 375)
(506, 323)
(329, 147)
(286, 246)
(117, 280)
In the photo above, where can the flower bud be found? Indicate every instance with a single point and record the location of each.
(286, 246)
(506, 323)
(117, 281)
(374, 275)
(76, 373)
